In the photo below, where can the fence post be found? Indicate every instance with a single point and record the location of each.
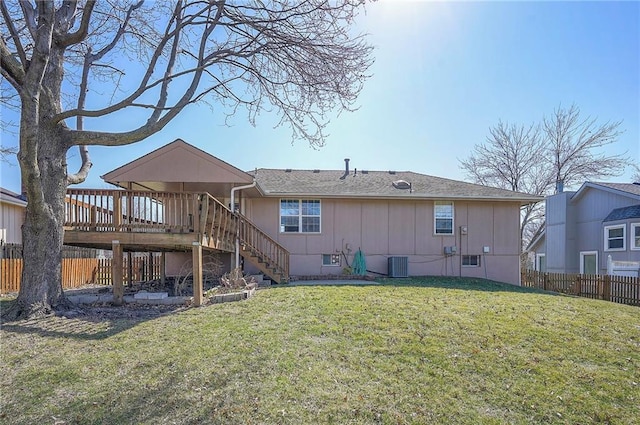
(545, 280)
(578, 285)
(606, 288)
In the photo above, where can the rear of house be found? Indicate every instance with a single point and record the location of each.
(405, 223)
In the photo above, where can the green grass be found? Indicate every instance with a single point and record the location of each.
(418, 351)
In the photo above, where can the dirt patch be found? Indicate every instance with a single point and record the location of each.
(134, 311)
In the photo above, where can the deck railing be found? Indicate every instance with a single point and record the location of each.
(121, 210)
(175, 212)
(217, 223)
(258, 242)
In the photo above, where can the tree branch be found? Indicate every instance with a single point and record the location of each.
(29, 18)
(14, 34)
(11, 68)
(83, 30)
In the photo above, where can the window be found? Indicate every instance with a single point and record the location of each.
(614, 238)
(443, 218)
(541, 262)
(589, 262)
(330, 259)
(299, 216)
(635, 235)
(470, 261)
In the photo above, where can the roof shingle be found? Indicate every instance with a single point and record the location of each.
(623, 213)
(376, 184)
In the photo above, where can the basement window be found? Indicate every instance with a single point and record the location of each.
(471, 261)
(330, 259)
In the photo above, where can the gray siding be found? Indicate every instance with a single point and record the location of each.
(594, 206)
(560, 234)
(576, 225)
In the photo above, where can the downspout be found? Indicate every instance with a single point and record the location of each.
(233, 208)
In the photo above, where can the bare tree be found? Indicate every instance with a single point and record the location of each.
(563, 149)
(511, 159)
(83, 60)
(636, 173)
(572, 147)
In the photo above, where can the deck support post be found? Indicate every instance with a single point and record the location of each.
(163, 263)
(129, 269)
(197, 274)
(116, 273)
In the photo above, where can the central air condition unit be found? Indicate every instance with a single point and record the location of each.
(398, 266)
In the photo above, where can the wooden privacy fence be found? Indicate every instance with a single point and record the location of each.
(618, 289)
(77, 272)
(142, 269)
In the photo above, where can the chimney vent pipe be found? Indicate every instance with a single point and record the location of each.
(346, 169)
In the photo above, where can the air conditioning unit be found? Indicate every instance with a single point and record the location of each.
(398, 266)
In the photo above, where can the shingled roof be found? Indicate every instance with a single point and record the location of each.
(376, 184)
(624, 213)
(626, 189)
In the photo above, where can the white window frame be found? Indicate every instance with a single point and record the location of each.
(635, 227)
(607, 239)
(537, 264)
(435, 218)
(332, 258)
(300, 216)
(585, 253)
(478, 258)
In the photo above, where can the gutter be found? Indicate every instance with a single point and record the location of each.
(13, 201)
(414, 197)
(233, 208)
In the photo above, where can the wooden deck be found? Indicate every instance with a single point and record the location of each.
(143, 221)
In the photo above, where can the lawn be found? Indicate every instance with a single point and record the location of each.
(418, 351)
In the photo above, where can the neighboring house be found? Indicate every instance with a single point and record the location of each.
(404, 222)
(595, 230)
(12, 210)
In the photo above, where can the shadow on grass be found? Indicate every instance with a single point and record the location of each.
(84, 323)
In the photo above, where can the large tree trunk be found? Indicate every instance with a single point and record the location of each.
(42, 233)
(42, 157)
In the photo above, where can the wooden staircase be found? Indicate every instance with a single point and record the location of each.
(222, 226)
(262, 251)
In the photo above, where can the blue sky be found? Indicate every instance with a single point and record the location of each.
(444, 74)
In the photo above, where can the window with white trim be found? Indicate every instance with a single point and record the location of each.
(635, 236)
(330, 259)
(299, 216)
(471, 261)
(614, 238)
(443, 218)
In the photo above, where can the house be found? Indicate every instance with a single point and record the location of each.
(12, 210)
(288, 222)
(594, 230)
